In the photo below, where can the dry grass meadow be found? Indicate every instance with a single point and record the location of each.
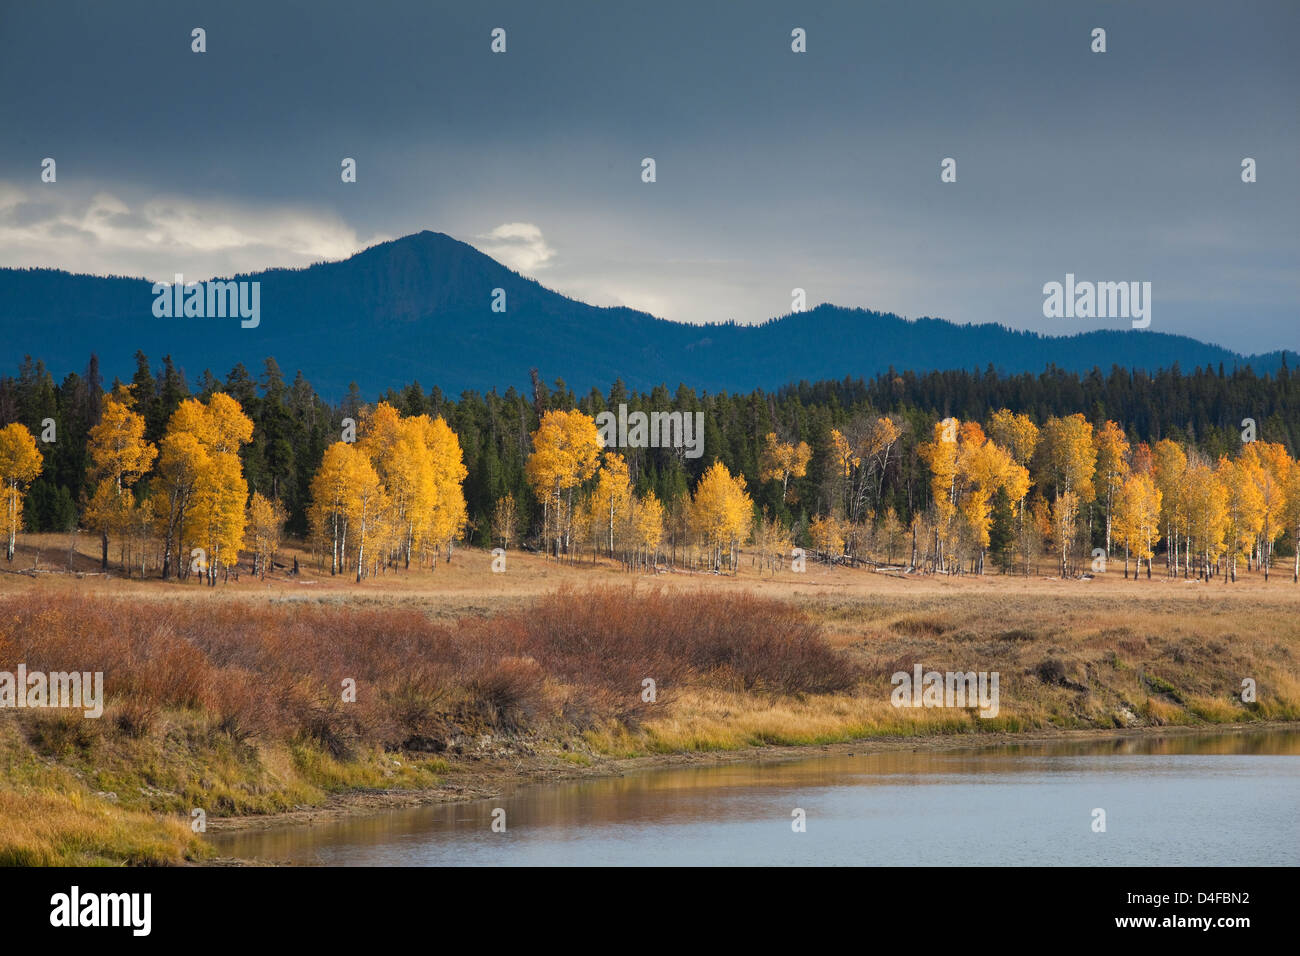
(227, 698)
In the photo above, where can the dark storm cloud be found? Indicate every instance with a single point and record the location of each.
(775, 170)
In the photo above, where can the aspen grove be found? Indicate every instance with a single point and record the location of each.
(205, 485)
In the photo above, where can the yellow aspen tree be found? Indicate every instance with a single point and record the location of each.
(610, 497)
(200, 520)
(1269, 466)
(1069, 457)
(20, 464)
(772, 540)
(1169, 469)
(1291, 514)
(396, 450)
(566, 449)
(140, 530)
(827, 533)
(1245, 508)
(198, 463)
(649, 528)
(1019, 436)
(378, 431)
(266, 520)
(722, 512)
(205, 518)
(221, 494)
(231, 428)
(1148, 523)
(781, 461)
(182, 460)
(1065, 516)
(408, 477)
(843, 461)
(119, 456)
(389, 530)
(1112, 469)
(1136, 517)
(942, 457)
(450, 513)
(1016, 433)
(332, 501)
(1207, 513)
(505, 519)
(367, 505)
(985, 468)
(965, 476)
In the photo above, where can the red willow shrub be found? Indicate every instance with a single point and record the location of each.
(728, 639)
(571, 659)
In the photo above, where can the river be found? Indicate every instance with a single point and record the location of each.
(1213, 799)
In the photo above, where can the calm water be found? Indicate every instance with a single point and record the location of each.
(1205, 800)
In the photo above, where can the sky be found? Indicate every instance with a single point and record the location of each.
(775, 170)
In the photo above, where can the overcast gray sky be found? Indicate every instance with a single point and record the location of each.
(775, 169)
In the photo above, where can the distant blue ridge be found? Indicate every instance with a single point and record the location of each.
(419, 309)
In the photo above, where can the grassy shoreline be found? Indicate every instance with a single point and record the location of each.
(466, 783)
(77, 824)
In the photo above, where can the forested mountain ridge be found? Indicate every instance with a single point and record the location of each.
(420, 308)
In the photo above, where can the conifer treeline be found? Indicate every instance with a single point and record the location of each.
(1201, 411)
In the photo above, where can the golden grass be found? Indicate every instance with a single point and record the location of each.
(62, 828)
(714, 720)
(115, 799)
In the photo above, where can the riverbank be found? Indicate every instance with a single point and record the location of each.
(1209, 799)
(485, 780)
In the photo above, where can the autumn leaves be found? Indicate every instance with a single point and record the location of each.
(194, 499)
(20, 463)
(119, 457)
(1216, 514)
(1211, 515)
(202, 485)
(1005, 488)
(566, 449)
(393, 496)
(968, 468)
(611, 518)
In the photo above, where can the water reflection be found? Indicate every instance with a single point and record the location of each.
(1214, 799)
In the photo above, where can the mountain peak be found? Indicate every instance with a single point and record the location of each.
(420, 307)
